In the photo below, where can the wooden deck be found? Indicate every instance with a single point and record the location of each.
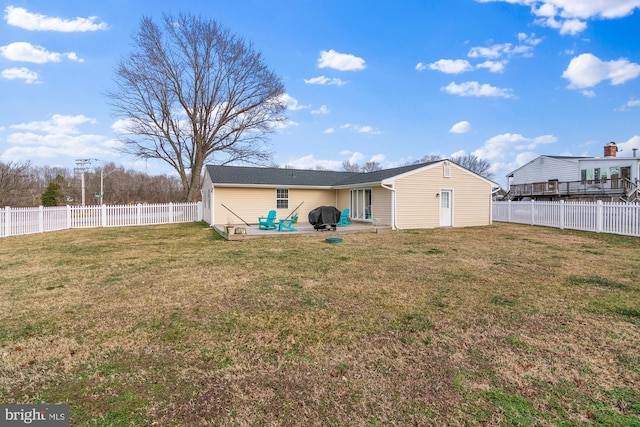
(244, 232)
(556, 190)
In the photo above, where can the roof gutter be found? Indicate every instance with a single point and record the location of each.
(393, 204)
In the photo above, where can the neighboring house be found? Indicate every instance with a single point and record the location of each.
(436, 194)
(608, 178)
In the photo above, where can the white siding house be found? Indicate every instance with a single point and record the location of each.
(608, 178)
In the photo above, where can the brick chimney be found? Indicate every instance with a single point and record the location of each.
(610, 149)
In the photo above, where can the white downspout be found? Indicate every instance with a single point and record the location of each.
(393, 204)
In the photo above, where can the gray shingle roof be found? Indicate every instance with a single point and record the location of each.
(244, 175)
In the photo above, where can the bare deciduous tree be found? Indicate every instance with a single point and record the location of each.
(470, 161)
(192, 91)
(370, 166)
(347, 166)
(474, 164)
(14, 180)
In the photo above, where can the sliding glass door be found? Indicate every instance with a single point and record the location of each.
(361, 204)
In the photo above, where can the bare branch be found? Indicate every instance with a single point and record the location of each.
(192, 92)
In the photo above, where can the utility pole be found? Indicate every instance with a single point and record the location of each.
(102, 175)
(82, 163)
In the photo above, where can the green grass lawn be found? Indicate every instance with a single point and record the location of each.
(169, 325)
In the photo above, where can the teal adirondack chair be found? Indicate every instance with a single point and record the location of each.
(268, 222)
(287, 224)
(344, 218)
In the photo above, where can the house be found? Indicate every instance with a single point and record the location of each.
(436, 194)
(608, 178)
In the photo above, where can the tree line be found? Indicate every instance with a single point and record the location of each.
(24, 185)
(470, 161)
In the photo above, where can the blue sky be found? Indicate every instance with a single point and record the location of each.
(506, 80)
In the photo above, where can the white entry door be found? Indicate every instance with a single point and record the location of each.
(445, 208)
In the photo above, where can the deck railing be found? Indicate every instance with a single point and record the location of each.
(20, 221)
(608, 187)
(601, 217)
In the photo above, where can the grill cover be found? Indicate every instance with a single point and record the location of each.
(323, 216)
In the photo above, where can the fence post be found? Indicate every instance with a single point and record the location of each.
(200, 212)
(533, 214)
(599, 216)
(561, 214)
(7, 221)
(69, 217)
(170, 213)
(103, 215)
(139, 213)
(41, 219)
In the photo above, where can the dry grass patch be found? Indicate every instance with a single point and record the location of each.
(169, 325)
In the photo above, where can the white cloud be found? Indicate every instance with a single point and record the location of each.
(329, 131)
(340, 61)
(361, 129)
(568, 26)
(57, 124)
(22, 73)
(492, 52)
(493, 66)
(322, 110)
(509, 151)
(529, 39)
(378, 158)
(628, 146)
(121, 126)
(292, 103)
(322, 80)
(420, 66)
(58, 136)
(476, 89)
(26, 52)
(587, 70)
(506, 49)
(367, 129)
(630, 104)
(501, 147)
(19, 17)
(451, 66)
(589, 93)
(568, 16)
(284, 124)
(461, 127)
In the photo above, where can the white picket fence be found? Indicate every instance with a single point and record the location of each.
(19, 221)
(601, 217)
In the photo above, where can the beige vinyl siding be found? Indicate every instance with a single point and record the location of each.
(251, 203)
(343, 199)
(471, 199)
(381, 205)
(418, 207)
(416, 203)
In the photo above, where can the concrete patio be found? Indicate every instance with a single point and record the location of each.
(246, 232)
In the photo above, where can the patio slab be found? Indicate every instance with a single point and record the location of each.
(247, 232)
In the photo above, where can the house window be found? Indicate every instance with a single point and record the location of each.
(282, 198)
(447, 171)
(360, 204)
(583, 175)
(596, 174)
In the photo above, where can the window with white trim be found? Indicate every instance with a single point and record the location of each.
(282, 198)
